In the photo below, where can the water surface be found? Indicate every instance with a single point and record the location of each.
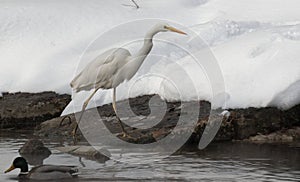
(227, 161)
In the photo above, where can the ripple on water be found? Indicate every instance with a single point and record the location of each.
(219, 162)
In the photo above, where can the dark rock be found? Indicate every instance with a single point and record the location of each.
(284, 135)
(291, 117)
(57, 128)
(26, 110)
(34, 147)
(248, 122)
(34, 152)
(241, 124)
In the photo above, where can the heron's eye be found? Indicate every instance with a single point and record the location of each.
(165, 27)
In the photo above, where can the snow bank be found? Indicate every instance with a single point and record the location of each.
(288, 97)
(256, 44)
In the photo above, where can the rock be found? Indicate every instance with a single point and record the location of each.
(34, 147)
(240, 124)
(284, 135)
(34, 152)
(249, 122)
(26, 110)
(57, 127)
(291, 117)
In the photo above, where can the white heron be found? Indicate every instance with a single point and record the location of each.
(113, 67)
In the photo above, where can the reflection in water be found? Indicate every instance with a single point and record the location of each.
(273, 154)
(81, 162)
(226, 161)
(35, 160)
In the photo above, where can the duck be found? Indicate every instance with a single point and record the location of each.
(43, 172)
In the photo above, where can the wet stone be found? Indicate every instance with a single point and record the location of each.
(241, 124)
(27, 110)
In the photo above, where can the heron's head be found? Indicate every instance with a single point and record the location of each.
(164, 27)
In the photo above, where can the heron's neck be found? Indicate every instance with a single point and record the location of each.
(137, 60)
(148, 44)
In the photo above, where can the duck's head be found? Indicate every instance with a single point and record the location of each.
(19, 162)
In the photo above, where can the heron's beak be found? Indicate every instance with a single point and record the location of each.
(12, 167)
(175, 30)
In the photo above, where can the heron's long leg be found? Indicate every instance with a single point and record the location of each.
(115, 109)
(83, 109)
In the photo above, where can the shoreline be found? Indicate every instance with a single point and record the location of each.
(41, 112)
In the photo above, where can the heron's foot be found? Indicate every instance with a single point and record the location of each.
(125, 135)
(134, 136)
(73, 134)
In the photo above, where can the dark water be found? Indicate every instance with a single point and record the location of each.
(227, 161)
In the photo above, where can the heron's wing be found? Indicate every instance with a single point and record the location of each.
(101, 70)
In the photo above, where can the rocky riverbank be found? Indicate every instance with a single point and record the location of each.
(27, 110)
(41, 110)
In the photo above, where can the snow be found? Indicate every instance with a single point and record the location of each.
(288, 97)
(256, 44)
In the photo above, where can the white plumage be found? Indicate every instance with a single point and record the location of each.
(101, 71)
(113, 67)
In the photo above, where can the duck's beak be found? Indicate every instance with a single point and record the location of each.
(175, 30)
(12, 167)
